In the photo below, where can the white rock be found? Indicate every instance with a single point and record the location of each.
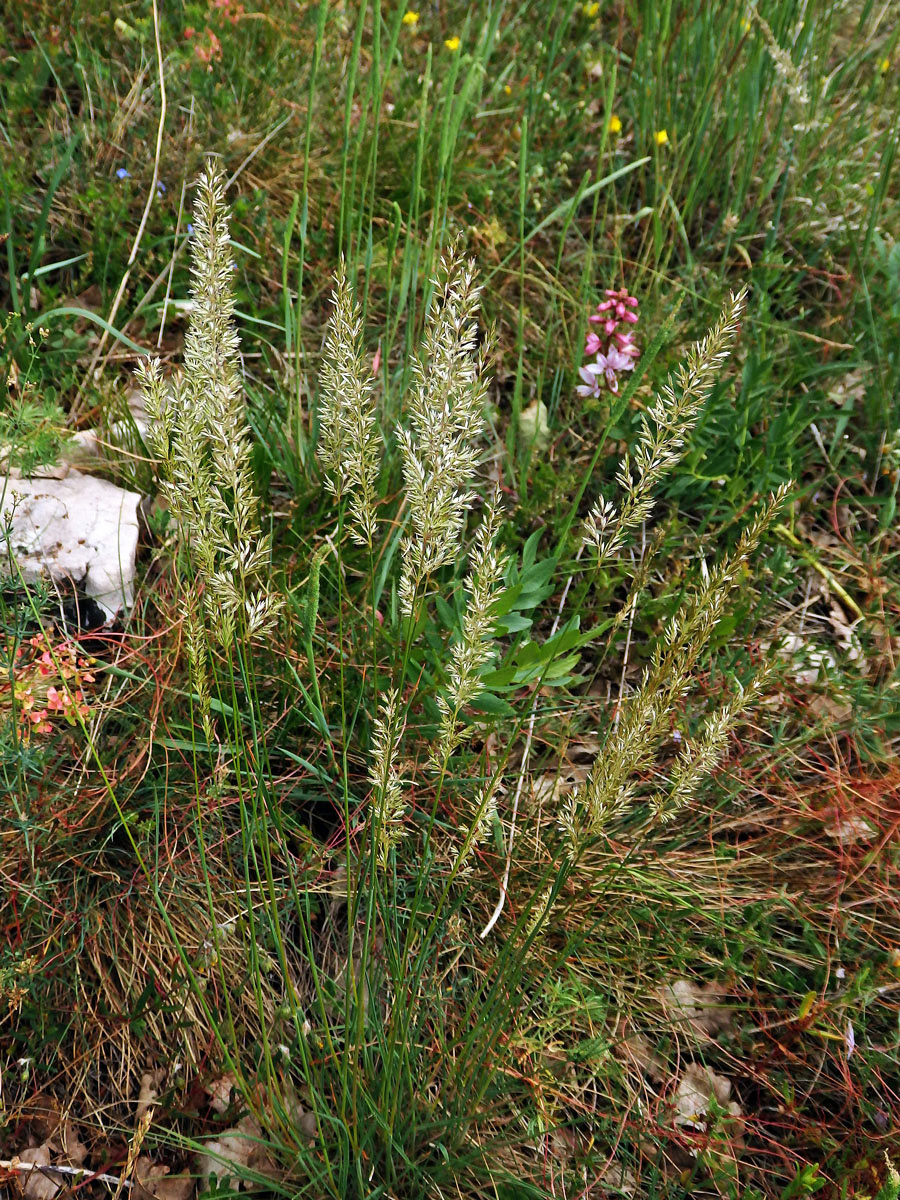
(77, 530)
(90, 443)
(698, 1007)
(57, 470)
(94, 443)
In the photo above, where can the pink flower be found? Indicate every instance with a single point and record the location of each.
(40, 722)
(618, 305)
(591, 385)
(606, 366)
(614, 360)
(626, 344)
(593, 344)
(610, 324)
(621, 301)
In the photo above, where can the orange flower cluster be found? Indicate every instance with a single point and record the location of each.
(46, 681)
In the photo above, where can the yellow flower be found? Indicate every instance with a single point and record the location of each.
(660, 137)
(507, 89)
(410, 18)
(615, 125)
(591, 10)
(746, 24)
(452, 43)
(885, 65)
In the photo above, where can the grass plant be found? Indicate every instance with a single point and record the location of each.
(493, 790)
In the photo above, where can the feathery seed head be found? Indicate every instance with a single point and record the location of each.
(350, 445)
(482, 813)
(440, 447)
(474, 650)
(631, 745)
(387, 800)
(200, 437)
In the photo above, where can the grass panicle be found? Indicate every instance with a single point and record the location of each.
(661, 441)
(645, 717)
(200, 435)
(441, 445)
(350, 445)
(389, 806)
(471, 654)
(699, 756)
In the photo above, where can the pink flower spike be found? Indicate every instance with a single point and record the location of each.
(593, 344)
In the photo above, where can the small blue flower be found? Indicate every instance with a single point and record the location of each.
(160, 187)
(121, 173)
(190, 228)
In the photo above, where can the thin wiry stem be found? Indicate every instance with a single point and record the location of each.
(520, 782)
